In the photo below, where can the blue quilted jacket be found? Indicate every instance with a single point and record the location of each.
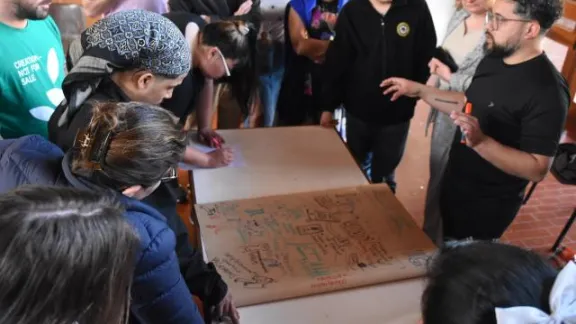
(159, 292)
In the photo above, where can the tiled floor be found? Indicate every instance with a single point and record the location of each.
(538, 223)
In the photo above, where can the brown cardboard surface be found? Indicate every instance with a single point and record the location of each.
(280, 247)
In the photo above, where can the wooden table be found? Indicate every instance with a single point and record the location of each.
(298, 159)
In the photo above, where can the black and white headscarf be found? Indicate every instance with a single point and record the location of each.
(131, 39)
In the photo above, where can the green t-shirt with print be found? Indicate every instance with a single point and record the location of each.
(31, 75)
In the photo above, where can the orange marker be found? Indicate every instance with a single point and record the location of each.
(467, 111)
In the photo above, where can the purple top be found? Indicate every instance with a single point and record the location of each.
(157, 6)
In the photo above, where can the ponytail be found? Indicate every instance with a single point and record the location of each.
(236, 40)
(244, 82)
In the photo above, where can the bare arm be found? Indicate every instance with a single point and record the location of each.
(204, 114)
(529, 166)
(193, 156)
(541, 125)
(314, 49)
(432, 80)
(444, 101)
(96, 8)
(524, 165)
(255, 116)
(204, 106)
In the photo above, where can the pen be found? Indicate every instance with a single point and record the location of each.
(467, 111)
(216, 143)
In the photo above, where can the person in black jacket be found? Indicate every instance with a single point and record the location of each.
(375, 39)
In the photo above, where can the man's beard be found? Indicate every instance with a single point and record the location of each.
(495, 50)
(31, 13)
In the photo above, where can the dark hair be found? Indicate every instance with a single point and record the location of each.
(236, 40)
(65, 256)
(467, 282)
(545, 12)
(145, 141)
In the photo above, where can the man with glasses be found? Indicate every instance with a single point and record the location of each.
(517, 105)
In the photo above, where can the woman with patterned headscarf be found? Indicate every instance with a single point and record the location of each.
(132, 55)
(136, 55)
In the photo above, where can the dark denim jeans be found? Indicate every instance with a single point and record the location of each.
(269, 90)
(377, 149)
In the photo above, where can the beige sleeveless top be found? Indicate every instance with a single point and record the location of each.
(459, 43)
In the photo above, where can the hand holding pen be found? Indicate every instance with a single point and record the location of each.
(216, 143)
(471, 132)
(209, 137)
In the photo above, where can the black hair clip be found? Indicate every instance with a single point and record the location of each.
(100, 145)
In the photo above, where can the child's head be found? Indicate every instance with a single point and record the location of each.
(466, 283)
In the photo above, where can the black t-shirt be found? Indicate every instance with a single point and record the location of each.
(185, 96)
(522, 106)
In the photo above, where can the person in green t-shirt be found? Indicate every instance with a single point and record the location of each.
(32, 67)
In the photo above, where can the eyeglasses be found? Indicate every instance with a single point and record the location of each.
(170, 175)
(496, 20)
(224, 62)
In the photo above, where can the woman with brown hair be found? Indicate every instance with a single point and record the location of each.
(221, 50)
(234, 96)
(128, 150)
(66, 256)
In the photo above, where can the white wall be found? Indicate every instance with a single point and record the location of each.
(441, 11)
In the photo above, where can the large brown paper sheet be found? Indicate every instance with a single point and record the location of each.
(287, 246)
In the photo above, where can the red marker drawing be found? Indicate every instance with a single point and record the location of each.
(467, 111)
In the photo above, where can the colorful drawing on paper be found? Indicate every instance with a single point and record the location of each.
(288, 246)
